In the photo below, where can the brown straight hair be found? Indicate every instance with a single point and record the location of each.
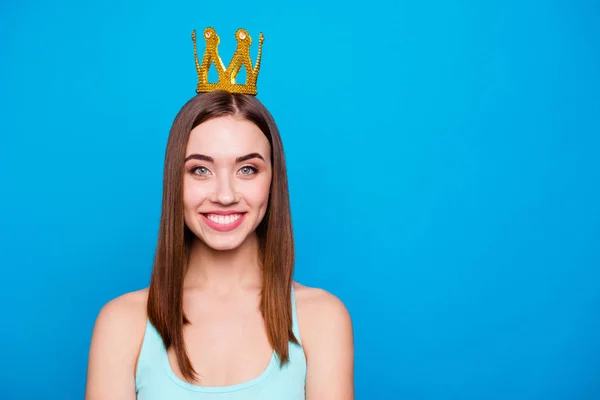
(275, 237)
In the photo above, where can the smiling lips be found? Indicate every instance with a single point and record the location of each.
(223, 222)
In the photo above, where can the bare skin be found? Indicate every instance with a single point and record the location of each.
(222, 286)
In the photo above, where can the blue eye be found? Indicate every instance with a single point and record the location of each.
(248, 170)
(202, 171)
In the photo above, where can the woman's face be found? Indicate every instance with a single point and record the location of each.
(226, 181)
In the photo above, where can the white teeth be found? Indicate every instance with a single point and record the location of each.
(223, 219)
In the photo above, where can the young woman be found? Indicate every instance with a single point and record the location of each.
(222, 318)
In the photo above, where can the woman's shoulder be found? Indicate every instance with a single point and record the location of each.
(312, 297)
(126, 309)
(321, 315)
(327, 341)
(116, 340)
(121, 323)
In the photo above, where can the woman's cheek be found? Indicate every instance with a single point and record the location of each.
(194, 193)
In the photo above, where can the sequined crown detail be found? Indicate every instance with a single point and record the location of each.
(227, 76)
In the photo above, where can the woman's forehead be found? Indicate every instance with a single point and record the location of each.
(227, 136)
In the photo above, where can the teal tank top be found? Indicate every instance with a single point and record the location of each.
(155, 379)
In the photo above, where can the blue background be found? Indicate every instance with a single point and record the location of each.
(444, 174)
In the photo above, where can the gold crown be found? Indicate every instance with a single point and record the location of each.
(241, 58)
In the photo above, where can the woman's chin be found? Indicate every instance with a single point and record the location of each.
(224, 243)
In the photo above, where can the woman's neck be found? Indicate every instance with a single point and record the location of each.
(224, 270)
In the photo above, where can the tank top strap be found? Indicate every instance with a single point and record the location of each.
(295, 325)
(150, 353)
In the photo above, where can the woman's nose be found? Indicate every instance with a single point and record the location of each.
(225, 190)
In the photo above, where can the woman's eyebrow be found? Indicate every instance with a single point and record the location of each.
(248, 157)
(202, 157)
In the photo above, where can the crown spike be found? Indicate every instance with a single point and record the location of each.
(196, 54)
(261, 39)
